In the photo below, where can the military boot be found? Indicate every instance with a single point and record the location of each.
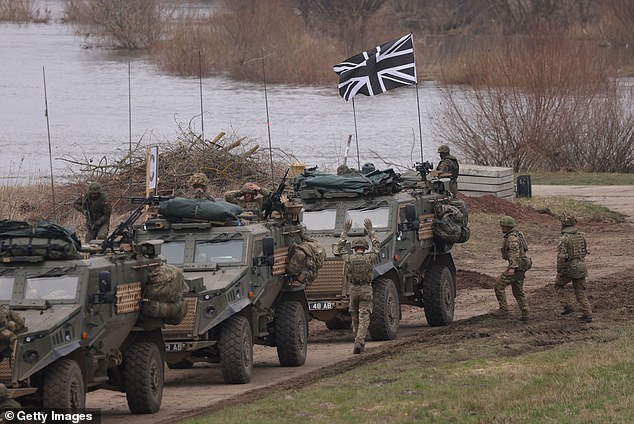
(501, 312)
(524, 315)
(358, 348)
(567, 310)
(585, 318)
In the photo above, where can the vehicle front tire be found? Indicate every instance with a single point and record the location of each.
(236, 350)
(439, 295)
(291, 333)
(386, 310)
(63, 386)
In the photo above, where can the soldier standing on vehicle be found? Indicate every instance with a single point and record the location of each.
(251, 198)
(514, 250)
(448, 167)
(96, 208)
(199, 183)
(571, 267)
(360, 273)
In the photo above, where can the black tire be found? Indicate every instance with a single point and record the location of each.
(236, 350)
(291, 333)
(386, 310)
(439, 295)
(183, 364)
(63, 386)
(143, 374)
(338, 323)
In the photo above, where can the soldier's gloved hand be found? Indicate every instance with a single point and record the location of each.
(368, 225)
(347, 226)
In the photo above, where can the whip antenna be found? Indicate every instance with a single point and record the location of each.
(268, 122)
(200, 83)
(50, 152)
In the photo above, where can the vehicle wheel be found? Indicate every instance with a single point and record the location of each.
(236, 350)
(63, 386)
(183, 364)
(386, 310)
(438, 295)
(143, 374)
(340, 322)
(291, 333)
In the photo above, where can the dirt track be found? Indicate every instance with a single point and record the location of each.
(192, 392)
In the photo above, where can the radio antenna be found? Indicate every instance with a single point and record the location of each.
(50, 152)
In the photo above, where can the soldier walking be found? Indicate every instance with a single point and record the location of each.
(514, 250)
(571, 267)
(360, 273)
(96, 208)
(448, 167)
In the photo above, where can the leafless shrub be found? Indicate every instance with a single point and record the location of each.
(129, 24)
(23, 11)
(541, 103)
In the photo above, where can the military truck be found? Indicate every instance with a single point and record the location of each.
(414, 266)
(72, 320)
(238, 290)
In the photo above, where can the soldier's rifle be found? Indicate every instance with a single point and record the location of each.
(124, 229)
(275, 201)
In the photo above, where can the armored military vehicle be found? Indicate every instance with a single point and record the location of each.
(416, 227)
(72, 321)
(239, 292)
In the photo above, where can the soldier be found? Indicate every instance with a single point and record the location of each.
(198, 183)
(448, 167)
(96, 207)
(5, 401)
(360, 272)
(251, 198)
(514, 249)
(368, 168)
(571, 267)
(346, 171)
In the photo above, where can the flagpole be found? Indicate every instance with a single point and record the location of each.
(356, 134)
(420, 124)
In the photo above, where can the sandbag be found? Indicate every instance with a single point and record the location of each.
(200, 209)
(51, 241)
(305, 260)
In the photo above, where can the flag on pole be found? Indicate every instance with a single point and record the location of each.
(377, 70)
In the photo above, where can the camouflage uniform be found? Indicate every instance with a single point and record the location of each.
(346, 171)
(251, 198)
(198, 183)
(360, 270)
(10, 324)
(96, 207)
(513, 250)
(5, 401)
(448, 165)
(571, 267)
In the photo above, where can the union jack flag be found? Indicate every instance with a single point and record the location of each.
(377, 70)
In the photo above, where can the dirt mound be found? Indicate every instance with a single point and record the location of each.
(466, 280)
(490, 204)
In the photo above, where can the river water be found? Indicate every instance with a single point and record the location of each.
(88, 91)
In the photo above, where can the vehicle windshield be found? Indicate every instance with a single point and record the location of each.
(379, 217)
(320, 220)
(6, 288)
(173, 252)
(219, 251)
(52, 288)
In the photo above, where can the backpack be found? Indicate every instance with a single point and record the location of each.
(304, 261)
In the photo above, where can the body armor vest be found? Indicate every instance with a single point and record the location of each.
(576, 246)
(360, 269)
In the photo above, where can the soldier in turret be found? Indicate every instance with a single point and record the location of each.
(360, 273)
(199, 183)
(448, 167)
(251, 198)
(571, 267)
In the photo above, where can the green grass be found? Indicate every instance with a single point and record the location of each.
(584, 211)
(586, 382)
(578, 178)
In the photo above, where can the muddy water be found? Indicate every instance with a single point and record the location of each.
(89, 92)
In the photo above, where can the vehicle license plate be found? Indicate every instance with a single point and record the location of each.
(320, 306)
(173, 347)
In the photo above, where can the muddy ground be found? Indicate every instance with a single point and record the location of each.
(193, 392)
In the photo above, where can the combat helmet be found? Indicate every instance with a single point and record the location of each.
(567, 220)
(507, 221)
(94, 187)
(250, 188)
(367, 168)
(443, 148)
(198, 180)
(359, 243)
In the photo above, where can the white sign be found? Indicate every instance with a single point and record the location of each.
(152, 167)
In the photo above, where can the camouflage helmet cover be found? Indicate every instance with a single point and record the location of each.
(443, 148)
(250, 188)
(94, 187)
(359, 243)
(567, 220)
(507, 221)
(198, 180)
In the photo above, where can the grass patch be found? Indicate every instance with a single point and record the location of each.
(586, 382)
(584, 211)
(579, 178)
